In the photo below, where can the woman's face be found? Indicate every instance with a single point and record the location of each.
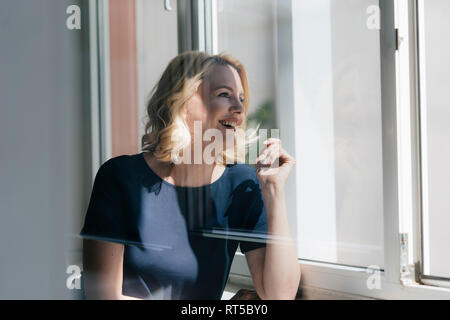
(218, 102)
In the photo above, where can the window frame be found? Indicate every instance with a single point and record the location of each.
(100, 130)
(197, 26)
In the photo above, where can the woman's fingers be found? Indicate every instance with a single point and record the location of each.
(274, 147)
(272, 140)
(264, 155)
(274, 163)
(270, 155)
(274, 155)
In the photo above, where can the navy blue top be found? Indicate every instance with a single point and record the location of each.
(179, 241)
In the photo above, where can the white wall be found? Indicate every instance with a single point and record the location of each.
(44, 143)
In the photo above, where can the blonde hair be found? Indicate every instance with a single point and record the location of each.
(165, 129)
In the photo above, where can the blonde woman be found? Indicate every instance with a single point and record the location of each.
(160, 228)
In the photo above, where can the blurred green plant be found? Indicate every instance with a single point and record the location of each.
(264, 115)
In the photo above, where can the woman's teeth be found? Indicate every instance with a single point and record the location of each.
(228, 124)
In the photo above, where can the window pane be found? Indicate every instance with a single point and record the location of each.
(246, 30)
(337, 110)
(435, 131)
(157, 44)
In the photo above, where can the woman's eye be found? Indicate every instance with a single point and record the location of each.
(227, 95)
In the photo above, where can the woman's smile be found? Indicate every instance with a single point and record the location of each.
(230, 123)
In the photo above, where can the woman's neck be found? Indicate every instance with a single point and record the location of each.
(194, 175)
(188, 175)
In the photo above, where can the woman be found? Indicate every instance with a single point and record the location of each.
(158, 227)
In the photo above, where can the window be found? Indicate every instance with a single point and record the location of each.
(358, 91)
(350, 121)
(335, 117)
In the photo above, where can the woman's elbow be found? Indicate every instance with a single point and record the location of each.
(287, 292)
(98, 290)
(99, 295)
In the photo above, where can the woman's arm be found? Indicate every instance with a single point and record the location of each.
(102, 270)
(279, 275)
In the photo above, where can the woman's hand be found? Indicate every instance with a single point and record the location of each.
(273, 164)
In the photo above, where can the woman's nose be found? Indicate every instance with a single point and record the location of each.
(237, 106)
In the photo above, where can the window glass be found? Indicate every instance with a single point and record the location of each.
(157, 44)
(246, 30)
(335, 86)
(435, 135)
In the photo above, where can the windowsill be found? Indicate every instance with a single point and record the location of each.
(331, 282)
(325, 281)
(237, 282)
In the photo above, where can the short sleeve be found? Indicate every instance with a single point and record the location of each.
(104, 218)
(257, 228)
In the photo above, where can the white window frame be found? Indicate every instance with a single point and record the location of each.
(197, 25)
(101, 145)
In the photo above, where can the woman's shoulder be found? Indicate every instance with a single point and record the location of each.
(119, 166)
(114, 163)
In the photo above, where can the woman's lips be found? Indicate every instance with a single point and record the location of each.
(226, 127)
(230, 123)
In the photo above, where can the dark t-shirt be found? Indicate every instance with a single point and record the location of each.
(179, 241)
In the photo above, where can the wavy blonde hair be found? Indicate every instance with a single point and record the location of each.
(166, 131)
